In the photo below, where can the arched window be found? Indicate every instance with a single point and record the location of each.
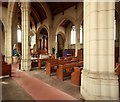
(19, 34)
(73, 35)
(33, 40)
(81, 34)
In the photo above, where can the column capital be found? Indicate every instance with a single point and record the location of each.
(25, 6)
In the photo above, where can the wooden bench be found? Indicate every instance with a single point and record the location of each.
(34, 63)
(51, 66)
(42, 62)
(76, 76)
(6, 68)
(66, 70)
(39, 62)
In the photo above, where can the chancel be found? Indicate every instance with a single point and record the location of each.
(60, 50)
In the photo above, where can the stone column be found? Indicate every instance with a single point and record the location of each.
(3, 43)
(43, 42)
(40, 40)
(99, 81)
(8, 41)
(67, 38)
(51, 39)
(36, 38)
(77, 45)
(14, 27)
(26, 62)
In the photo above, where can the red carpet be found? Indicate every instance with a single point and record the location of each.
(38, 89)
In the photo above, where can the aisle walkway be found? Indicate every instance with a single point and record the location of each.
(37, 88)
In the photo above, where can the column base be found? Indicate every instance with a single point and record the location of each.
(99, 86)
(25, 65)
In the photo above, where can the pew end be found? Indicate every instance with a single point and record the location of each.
(76, 76)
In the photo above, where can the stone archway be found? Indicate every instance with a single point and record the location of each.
(42, 40)
(66, 17)
(9, 35)
(2, 38)
(60, 44)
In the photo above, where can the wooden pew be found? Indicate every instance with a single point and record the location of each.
(76, 76)
(42, 62)
(6, 68)
(39, 62)
(66, 70)
(34, 63)
(52, 65)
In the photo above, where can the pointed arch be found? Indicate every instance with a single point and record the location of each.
(60, 19)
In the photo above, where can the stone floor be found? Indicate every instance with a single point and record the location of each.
(12, 91)
(65, 86)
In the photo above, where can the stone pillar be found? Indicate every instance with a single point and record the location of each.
(37, 39)
(43, 42)
(40, 43)
(8, 42)
(51, 39)
(67, 36)
(14, 28)
(99, 81)
(26, 62)
(1, 32)
(3, 42)
(77, 45)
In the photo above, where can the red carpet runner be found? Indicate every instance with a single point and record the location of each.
(38, 89)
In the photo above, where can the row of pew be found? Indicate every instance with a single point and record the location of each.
(62, 67)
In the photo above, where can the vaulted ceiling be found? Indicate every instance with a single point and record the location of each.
(38, 14)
